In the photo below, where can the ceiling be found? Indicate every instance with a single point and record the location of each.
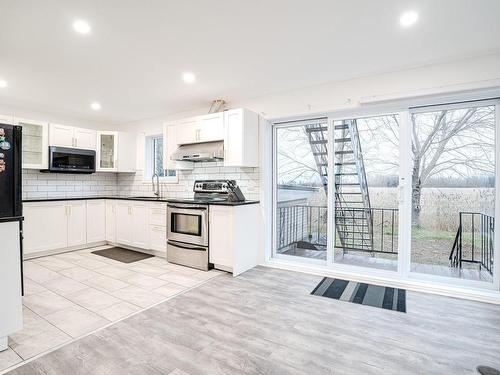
(133, 60)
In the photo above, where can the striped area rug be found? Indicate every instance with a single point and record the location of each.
(365, 294)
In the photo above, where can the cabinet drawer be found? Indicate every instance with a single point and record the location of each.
(157, 238)
(158, 217)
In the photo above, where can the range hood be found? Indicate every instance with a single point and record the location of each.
(208, 151)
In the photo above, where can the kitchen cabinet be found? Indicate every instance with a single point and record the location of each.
(96, 221)
(158, 239)
(132, 223)
(116, 152)
(124, 223)
(111, 221)
(45, 226)
(69, 136)
(206, 128)
(241, 138)
(77, 223)
(35, 143)
(170, 135)
(140, 214)
(234, 237)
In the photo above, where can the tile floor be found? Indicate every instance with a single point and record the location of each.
(72, 294)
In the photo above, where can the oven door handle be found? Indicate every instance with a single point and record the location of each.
(186, 208)
(176, 244)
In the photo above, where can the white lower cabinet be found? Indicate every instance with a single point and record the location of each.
(124, 222)
(111, 221)
(140, 220)
(234, 237)
(158, 238)
(77, 223)
(45, 226)
(96, 221)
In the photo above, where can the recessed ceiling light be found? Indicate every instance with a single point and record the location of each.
(81, 26)
(189, 77)
(95, 106)
(3, 83)
(408, 18)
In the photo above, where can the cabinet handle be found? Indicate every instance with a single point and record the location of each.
(76, 142)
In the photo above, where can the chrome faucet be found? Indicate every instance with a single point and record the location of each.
(157, 190)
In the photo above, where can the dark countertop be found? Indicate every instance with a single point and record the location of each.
(143, 199)
(12, 218)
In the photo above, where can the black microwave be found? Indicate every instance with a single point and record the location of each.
(71, 160)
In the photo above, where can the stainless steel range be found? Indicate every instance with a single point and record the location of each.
(188, 221)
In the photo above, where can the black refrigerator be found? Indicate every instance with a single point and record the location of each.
(10, 172)
(11, 204)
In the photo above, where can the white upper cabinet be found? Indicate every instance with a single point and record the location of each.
(35, 143)
(170, 135)
(241, 138)
(61, 135)
(238, 128)
(116, 152)
(210, 128)
(69, 136)
(85, 138)
(207, 128)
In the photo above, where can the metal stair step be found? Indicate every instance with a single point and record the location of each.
(345, 163)
(346, 174)
(318, 142)
(317, 129)
(320, 153)
(349, 193)
(348, 183)
(343, 126)
(341, 140)
(347, 152)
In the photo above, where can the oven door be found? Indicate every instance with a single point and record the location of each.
(187, 223)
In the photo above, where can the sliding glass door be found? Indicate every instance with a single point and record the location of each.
(366, 179)
(301, 187)
(410, 194)
(453, 191)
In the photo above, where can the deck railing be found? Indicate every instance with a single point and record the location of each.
(474, 241)
(306, 226)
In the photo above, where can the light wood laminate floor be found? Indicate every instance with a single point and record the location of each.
(266, 322)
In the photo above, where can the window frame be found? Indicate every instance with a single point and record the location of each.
(149, 161)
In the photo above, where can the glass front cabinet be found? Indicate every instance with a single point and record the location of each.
(35, 143)
(107, 145)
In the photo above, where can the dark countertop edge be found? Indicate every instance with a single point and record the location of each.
(9, 219)
(166, 200)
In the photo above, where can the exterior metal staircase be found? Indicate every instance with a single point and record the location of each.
(353, 214)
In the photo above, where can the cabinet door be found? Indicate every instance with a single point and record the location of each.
(45, 226)
(35, 143)
(77, 223)
(170, 135)
(221, 236)
(158, 238)
(96, 221)
(210, 128)
(186, 131)
(124, 222)
(106, 153)
(140, 214)
(241, 138)
(110, 221)
(61, 135)
(85, 138)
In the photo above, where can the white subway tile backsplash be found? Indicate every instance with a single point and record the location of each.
(60, 185)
